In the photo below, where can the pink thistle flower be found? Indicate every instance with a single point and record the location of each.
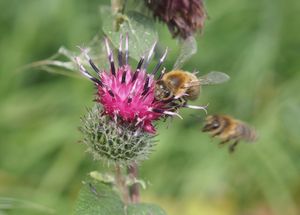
(126, 93)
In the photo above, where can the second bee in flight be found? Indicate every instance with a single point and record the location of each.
(227, 129)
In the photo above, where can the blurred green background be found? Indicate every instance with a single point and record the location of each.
(256, 42)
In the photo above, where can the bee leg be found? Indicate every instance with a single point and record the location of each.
(233, 146)
(222, 142)
(197, 107)
(180, 95)
(168, 113)
(218, 133)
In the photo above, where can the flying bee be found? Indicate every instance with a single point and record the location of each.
(226, 128)
(183, 84)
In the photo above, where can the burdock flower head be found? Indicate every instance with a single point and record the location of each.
(183, 17)
(120, 128)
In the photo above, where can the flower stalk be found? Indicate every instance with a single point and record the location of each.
(121, 184)
(134, 191)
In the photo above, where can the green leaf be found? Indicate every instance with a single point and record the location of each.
(144, 209)
(62, 62)
(98, 199)
(103, 177)
(140, 29)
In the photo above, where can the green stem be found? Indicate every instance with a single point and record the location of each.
(134, 191)
(121, 184)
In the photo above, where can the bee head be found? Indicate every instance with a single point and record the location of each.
(161, 91)
(212, 123)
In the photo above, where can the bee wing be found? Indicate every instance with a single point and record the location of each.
(214, 77)
(188, 49)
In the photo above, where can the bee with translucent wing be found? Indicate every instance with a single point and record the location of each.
(227, 129)
(180, 84)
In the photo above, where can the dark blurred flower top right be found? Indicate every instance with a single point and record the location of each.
(183, 17)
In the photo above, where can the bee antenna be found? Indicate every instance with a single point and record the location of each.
(181, 95)
(173, 114)
(165, 112)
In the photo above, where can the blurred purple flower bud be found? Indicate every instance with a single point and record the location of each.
(183, 17)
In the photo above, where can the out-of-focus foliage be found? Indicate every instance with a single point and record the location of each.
(256, 42)
(140, 30)
(97, 198)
